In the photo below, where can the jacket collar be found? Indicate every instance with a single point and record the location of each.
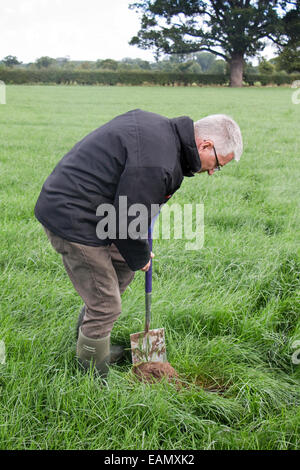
(189, 156)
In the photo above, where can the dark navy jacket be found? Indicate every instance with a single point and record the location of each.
(139, 154)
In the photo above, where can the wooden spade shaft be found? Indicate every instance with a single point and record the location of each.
(148, 311)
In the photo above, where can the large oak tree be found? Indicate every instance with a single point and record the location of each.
(234, 30)
(289, 58)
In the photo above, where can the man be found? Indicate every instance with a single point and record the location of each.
(140, 156)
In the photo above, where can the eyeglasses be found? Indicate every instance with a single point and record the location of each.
(218, 167)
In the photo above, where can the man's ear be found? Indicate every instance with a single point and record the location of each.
(203, 144)
(208, 144)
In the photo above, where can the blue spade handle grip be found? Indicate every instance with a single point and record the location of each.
(148, 280)
(148, 277)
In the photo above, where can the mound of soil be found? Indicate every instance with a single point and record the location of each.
(152, 372)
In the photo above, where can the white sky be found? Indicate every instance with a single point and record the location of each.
(81, 29)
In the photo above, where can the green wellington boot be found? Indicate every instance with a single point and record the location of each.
(98, 352)
(93, 352)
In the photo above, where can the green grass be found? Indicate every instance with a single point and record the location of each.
(230, 310)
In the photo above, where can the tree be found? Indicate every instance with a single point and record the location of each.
(205, 60)
(195, 67)
(165, 65)
(189, 66)
(85, 65)
(289, 57)
(266, 67)
(108, 64)
(44, 62)
(231, 29)
(134, 64)
(10, 61)
(249, 68)
(218, 67)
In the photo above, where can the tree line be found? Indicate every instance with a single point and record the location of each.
(199, 62)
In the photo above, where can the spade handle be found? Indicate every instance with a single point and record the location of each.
(148, 285)
(148, 279)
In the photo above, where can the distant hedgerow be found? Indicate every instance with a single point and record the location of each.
(86, 77)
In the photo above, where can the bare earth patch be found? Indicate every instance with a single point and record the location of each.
(152, 372)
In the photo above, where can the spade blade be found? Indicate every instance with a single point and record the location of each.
(148, 346)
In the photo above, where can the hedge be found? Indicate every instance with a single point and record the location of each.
(275, 79)
(86, 77)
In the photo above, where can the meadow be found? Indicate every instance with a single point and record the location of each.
(230, 310)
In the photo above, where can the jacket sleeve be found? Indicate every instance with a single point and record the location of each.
(145, 186)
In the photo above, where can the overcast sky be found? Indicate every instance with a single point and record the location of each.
(81, 29)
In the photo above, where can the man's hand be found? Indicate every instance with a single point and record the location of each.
(147, 267)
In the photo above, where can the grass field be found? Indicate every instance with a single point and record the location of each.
(230, 310)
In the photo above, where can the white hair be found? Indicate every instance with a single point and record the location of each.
(223, 131)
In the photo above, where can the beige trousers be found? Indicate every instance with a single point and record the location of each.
(100, 275)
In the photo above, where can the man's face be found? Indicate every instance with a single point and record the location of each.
(207, 157)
